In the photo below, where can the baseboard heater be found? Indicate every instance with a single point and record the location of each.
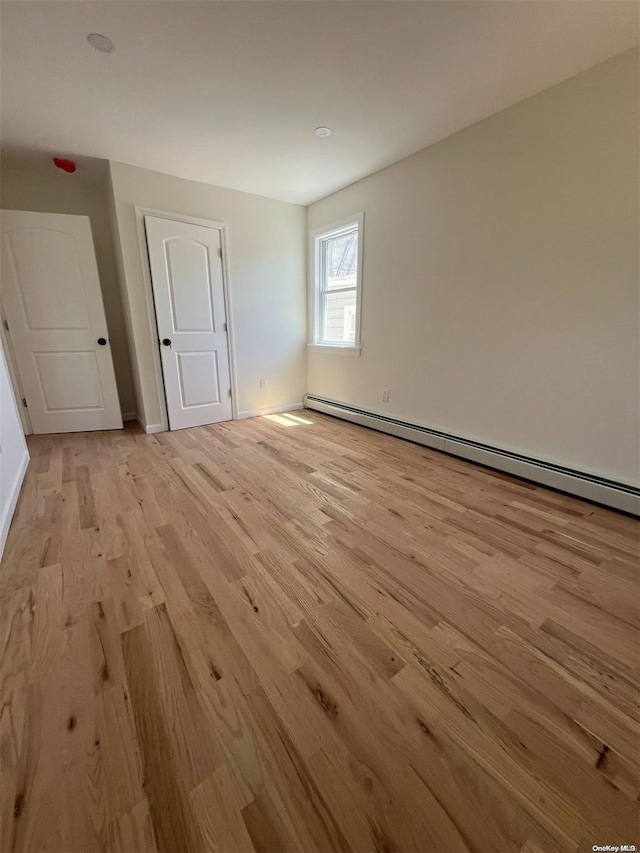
(619, 496)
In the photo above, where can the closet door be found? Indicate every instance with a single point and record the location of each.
(188, 291)
(52, 303)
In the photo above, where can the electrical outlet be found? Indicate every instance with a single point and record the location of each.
(263, 384)
(385, 395)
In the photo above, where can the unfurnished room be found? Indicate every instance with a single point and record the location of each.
(319, 426)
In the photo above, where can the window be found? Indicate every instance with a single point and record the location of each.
(336, 255)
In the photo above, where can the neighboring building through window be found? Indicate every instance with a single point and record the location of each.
(336, 253)
(350, 323)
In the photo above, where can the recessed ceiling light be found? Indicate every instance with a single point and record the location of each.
(101, 43)
(322, 132)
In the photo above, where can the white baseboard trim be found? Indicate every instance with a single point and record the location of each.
(273, 410)
(129, 416)
(150, 429)
(10, 507)
(579, 483)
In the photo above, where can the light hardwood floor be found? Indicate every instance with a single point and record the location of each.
(295, 634)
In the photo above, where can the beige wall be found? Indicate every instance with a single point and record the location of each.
(500, 289)
(266, 241)
(22, 189)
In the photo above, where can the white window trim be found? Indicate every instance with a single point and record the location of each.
(315, 238)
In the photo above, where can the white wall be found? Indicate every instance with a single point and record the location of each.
(500, 289)
(24, 189)
(13, 452)
(266, 276)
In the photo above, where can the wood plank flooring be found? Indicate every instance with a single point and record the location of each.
(294, 634)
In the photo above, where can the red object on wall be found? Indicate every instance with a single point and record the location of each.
(65, 165)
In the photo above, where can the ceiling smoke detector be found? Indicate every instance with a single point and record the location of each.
(322, 132)
(101, 43)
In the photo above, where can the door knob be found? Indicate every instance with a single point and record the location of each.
(166, 342)
(102, 342)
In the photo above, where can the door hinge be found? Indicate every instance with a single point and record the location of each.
(224, 327)
(6, 325)
(230, 393)
(24, 402)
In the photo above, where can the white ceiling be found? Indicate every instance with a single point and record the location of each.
(229, 92)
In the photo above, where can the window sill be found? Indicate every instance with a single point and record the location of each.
(335, 349)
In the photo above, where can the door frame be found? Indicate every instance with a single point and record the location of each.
(14, 376)
(140, 213)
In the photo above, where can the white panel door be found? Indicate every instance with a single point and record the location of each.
(186, 271)
(52, 302)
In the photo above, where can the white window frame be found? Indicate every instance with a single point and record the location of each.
(316, 344)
